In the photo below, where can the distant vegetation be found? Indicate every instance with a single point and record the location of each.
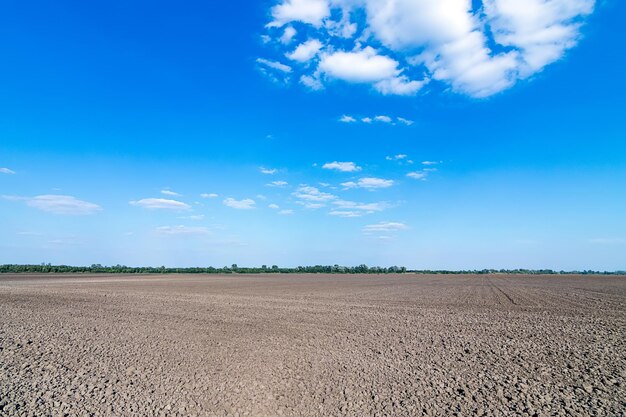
(234, 269)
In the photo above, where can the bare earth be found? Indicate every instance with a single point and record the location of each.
(312, 345)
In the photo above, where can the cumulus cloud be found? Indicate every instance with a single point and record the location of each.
(384, 227)
(417, 175)
(311, 197)
(245, 204)
(58, 204)
(398, 46)
(368, 183)
(383, 119)
(342, 166)
(160, 204)
(312, 12)
(347, 119)
(182, 231)
(6, 171)
(305, 51)
(288, 35)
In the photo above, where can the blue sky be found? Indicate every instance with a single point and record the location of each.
(296, 132)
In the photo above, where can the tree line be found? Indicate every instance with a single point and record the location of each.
(264, 269)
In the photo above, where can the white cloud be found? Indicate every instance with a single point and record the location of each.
(400, 86)
(311, 206)
(398, 46)
(274, 65)
(312, 12)
(311, 82)
(430, 162)
(380, 119)
(6, 171)
(345, 213)
(160, 204)
(342, 166)
(417, 175)
(364, 66)
(313, 195)
(305, 51)
(279, 184)
(285, 212)
(58, 204)
(288, 35)
(383, 119)
(385, 227)
(196, 217)
(245, 204)
(182, 231)
(170, 193)
(273, 206)
(267, 171)
(367, 207)
(368, 183)
(209, 195)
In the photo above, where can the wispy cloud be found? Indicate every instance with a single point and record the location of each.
(342, 166)
(381, 118)
(345, 213)
(160, 204)
(268, 171)
(58, 204)
(209, 195)
(182, 230)
(367, 207)
(369, 183)
(278, 184)
(608, 241)
(6, 171)
(274, 65)
(196, 217)
(396, 157)
(286, 212)
(431, 162)
(273, 206)
(385, 227)
(169, 192)
(245, 204)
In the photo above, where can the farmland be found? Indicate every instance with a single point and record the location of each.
(312, 345)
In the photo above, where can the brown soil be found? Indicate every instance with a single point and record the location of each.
(312, 345)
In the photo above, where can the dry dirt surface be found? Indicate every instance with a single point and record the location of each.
(312, 345)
